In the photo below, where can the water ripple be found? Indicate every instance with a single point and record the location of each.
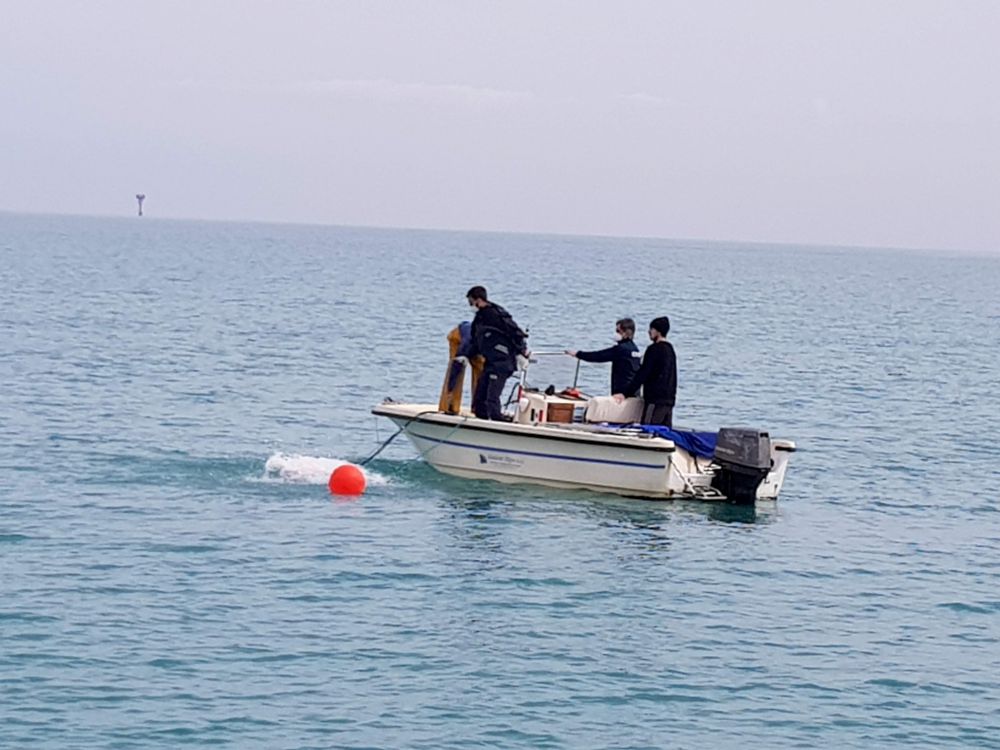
(174, 572)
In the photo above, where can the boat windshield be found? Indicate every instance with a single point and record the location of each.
(560, 371)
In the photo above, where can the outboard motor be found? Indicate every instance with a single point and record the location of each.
(744, 458)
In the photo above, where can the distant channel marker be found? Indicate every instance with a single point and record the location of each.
(140, 197)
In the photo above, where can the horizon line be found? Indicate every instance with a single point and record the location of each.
(452, 230)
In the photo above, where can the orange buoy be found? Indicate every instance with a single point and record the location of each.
(347, 479)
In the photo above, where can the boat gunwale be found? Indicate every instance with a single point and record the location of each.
(537, 432)
(550, 431)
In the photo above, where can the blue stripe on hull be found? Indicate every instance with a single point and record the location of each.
(481, 448)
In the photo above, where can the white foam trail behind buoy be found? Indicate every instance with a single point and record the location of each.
(297, 469)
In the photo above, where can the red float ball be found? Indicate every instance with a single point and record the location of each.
(347, 479)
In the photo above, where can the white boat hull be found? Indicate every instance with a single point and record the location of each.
(568, 456)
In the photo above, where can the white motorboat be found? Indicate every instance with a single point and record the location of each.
(565, 442)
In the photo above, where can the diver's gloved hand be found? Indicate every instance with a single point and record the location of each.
(522, 361)
(462, 360)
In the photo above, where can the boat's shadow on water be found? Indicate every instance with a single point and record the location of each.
(483, 497)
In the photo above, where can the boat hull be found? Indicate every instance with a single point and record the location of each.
(579, 457)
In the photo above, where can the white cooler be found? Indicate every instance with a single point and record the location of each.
(606, 409)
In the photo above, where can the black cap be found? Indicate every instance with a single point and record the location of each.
(661, 324)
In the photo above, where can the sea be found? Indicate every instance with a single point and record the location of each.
(175, 573)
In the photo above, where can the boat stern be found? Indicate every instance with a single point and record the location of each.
(781, 452)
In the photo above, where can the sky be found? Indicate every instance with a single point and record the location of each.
(842, 122)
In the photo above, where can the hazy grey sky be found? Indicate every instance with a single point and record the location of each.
(842, 122)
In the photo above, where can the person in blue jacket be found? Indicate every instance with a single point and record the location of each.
(624, 356)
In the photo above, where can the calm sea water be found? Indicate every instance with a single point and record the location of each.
(173, 571)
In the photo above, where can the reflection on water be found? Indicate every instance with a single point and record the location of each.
(761, 513)
(485, 522)
(484, 500)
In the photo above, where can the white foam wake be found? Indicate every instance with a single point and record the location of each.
(296, 469)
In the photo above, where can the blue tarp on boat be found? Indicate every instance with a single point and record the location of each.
(701, 444)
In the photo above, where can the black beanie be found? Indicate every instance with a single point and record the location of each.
(661, 324)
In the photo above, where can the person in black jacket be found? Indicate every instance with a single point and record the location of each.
(657, 376)
(624, 355)
(500, 340)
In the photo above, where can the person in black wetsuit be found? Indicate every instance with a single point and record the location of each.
(624, 355)
(657, 376)
(500, 340)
